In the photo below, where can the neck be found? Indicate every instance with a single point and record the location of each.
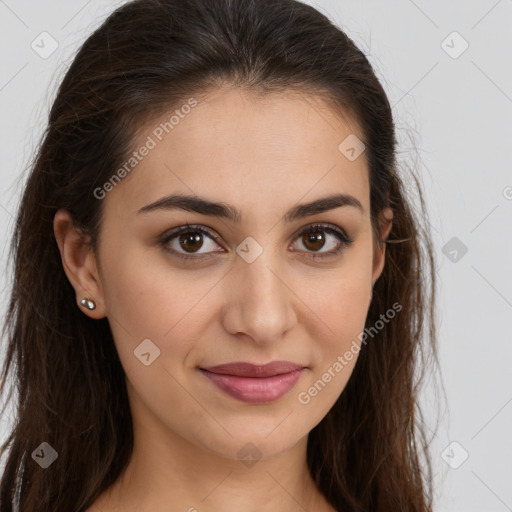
(168, 469)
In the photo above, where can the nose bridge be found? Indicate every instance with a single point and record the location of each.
(262, 301)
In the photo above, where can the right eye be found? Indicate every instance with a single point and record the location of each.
(185, 238)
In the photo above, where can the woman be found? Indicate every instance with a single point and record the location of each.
(219, 297)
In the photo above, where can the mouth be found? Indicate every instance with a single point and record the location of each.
(252, 383)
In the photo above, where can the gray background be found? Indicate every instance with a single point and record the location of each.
(454, 118)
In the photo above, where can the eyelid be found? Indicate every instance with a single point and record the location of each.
(323, 226)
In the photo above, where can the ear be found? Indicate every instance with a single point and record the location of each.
(379, 255)
(79, 263)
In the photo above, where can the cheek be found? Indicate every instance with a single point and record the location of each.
(145, 303)
(342, 307)
(147, 294)
(142, 301)
(340, 301)
(343, 310)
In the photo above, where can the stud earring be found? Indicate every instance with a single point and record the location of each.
(88, 304)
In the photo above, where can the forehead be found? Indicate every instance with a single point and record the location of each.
(247, 150)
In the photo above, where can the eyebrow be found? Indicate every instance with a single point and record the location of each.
(225, 211)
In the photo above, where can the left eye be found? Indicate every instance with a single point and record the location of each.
(313, 238)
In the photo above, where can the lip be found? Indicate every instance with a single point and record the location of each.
(243, 369)
(255, 383)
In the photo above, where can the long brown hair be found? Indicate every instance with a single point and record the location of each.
(370, 452)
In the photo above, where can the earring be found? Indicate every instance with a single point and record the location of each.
(88, 304)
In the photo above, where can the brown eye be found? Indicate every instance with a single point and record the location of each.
(186, 242)
(190, 242)
(317, 237)
(313, 241)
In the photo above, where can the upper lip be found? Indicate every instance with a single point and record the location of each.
(243, 369)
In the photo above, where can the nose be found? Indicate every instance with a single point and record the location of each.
(260, 303)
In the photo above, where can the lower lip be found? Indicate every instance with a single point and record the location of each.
(255, 390)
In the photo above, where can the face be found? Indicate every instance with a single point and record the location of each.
(270, 285)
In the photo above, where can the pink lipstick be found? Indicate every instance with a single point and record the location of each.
(255, 383)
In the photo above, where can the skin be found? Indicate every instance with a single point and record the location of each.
(263, 156)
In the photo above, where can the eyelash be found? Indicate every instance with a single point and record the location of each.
(345, 241)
